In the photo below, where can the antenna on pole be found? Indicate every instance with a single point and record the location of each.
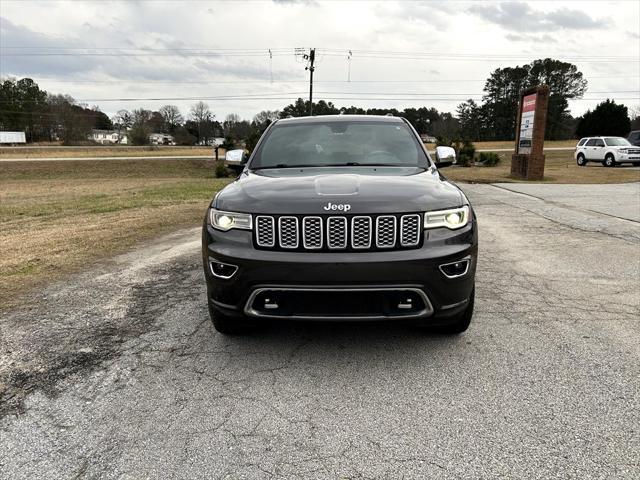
(311, 57)
(349, 66)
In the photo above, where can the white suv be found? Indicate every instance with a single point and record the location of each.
(607, 150)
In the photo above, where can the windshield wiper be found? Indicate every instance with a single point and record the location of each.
(358, 164)
(283, 165)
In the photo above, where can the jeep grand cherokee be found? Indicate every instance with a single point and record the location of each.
(340, 218)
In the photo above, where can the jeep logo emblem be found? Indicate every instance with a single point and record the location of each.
(343, 207)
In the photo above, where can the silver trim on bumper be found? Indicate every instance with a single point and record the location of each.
(427, 311)
(224, 277)
(466, 270)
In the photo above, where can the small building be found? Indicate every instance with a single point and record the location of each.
(12, 137)
(108, 136)
(162, 139)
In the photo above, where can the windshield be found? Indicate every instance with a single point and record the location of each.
(340, 143)
(616, 141)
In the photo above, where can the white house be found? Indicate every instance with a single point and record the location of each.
(162, 139)
(108, 136)
(426, 138)
(12, 137)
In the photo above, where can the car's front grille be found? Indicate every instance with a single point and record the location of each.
(288, 232)
(634, 151)
(358, 232)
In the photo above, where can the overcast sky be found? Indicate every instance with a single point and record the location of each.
(402, 53)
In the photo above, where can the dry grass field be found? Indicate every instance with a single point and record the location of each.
(102, 151)
(56, 217)
(560, 167)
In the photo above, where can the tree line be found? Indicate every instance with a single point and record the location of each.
(49, 117)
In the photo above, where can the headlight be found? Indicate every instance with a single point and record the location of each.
(227, 220)
(453, 218)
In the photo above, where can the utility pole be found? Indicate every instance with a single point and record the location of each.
(311, 58)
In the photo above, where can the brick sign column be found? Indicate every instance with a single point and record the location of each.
(527, 161)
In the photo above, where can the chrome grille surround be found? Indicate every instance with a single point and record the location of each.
(410, 230)
(288, 232)
(265, 231)
(312, 233)
(386, 231)
(337, 232)
(359, 232)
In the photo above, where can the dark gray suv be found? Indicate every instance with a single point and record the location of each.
(340, 218)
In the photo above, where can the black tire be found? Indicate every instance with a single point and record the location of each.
(609, 160)
(581, 161)
(228, 325)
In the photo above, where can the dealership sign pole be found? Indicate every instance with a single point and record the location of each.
(527, 161)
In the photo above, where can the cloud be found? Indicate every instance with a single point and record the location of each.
(117, 63)
(285, 2)
(433, 14)
(546, 38)
(634, 35)
(520, 17)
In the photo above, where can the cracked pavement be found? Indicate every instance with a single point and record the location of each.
(118, 373)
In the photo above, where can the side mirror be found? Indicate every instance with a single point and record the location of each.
(445, 157)
(235, 157)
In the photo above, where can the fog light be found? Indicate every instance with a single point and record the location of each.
(455, 269)
(222, 270)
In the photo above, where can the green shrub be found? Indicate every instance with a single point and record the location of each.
(138, 135)
(466, 152)
(221, 171)
(489, 159)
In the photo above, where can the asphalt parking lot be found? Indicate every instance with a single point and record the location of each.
(118, 372)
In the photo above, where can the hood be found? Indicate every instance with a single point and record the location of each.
(360, 190)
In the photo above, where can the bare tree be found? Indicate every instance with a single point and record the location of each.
(266, 117)
(171, 118)
(634, 115)
(230, 123)
(202, 116)
(140, 117)
(122, 120)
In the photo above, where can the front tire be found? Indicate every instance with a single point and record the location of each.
(228, 325)
(581, 161)
(609, 160)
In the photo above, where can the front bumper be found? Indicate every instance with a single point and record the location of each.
(411, 269)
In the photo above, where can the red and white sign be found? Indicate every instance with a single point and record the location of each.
(526, 123)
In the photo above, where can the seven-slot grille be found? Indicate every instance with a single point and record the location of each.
(359, 232)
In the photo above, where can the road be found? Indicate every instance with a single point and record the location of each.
(117, 373)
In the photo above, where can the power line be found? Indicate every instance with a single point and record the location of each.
(282, 81)
(262, 52)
